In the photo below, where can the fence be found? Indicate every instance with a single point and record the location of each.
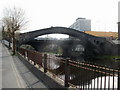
(82, 75)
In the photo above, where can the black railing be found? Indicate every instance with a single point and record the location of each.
(72, 74)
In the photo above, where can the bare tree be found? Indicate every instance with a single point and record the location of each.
(14, 20)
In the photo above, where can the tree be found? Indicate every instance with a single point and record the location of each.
(14, 20)
(6, 29)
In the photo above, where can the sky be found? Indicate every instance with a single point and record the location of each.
(46, 13)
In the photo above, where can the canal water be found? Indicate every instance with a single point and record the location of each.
(80, 76)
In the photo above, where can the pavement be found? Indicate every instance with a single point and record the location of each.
(14, 74)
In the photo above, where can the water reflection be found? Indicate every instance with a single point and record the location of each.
(53, 62)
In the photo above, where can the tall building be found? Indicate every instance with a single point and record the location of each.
(82, 24)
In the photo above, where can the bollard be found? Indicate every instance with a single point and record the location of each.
(45, 63)
(34, 62)
(66, 73)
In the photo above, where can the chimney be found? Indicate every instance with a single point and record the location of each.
(119, 20)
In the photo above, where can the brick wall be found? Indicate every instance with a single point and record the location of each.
(113, 35)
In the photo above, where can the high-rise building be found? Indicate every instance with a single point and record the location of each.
(82, 24)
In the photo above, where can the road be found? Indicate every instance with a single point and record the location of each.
(14, 74)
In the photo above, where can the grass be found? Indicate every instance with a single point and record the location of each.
(11, 53)
(108, 57)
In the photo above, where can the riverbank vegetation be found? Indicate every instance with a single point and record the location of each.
(106, 57)
(28, 47)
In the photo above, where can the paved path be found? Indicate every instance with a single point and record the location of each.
(14, 73)
(10, 75)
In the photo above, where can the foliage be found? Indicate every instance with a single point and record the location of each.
(28, 47)
(108, 57)
(53, 49)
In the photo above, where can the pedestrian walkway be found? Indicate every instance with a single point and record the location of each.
(15, 74)
(10, 76)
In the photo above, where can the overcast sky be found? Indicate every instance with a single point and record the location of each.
(47, 13)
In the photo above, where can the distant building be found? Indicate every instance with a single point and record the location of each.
(82, 24)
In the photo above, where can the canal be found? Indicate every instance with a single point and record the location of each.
(81, 77)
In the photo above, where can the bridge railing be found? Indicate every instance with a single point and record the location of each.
(73, 74)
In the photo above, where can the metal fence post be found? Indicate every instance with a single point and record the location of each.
(66, 72)
(119, 79)
(45, 63)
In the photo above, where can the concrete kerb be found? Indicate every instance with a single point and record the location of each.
(49, 82)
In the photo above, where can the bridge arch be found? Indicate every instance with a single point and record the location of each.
(85, 38)
(25, 37)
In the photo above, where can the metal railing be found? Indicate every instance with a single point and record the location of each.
(81, 75)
